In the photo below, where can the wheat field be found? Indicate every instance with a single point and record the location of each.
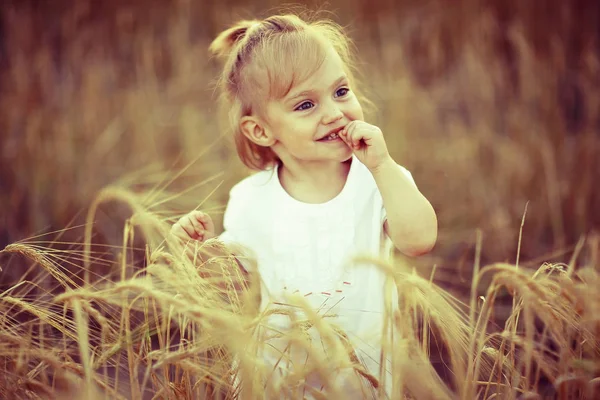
(110, 132)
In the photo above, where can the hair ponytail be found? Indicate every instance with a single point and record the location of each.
(227, 40)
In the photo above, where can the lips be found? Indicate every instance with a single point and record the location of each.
(331, 135)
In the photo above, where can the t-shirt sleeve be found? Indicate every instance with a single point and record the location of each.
(232, 219)
(236, 232)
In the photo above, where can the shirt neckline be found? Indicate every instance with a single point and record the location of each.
(284, 194)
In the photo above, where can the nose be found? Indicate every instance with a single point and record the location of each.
(332, 113)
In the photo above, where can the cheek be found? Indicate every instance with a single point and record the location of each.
(296, 130)
(356, 111)
(282, 127)
(359, 112)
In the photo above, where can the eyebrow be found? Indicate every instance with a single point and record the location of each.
(307, 92)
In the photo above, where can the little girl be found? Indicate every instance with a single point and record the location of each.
(326, 189)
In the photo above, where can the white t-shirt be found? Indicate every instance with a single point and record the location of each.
(308, 249)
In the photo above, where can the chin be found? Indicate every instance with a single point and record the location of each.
(347, 157)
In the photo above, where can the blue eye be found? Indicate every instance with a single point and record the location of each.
(341, 92)
(307, 105)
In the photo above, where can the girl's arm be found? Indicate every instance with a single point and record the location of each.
(411, 221)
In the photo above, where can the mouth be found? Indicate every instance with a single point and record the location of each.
(331, 136)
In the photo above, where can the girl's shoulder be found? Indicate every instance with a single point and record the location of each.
(247, 198)
(363, 174)
(254, 184)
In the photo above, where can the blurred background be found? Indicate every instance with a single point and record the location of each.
(492, 104)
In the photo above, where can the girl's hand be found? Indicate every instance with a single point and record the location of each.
(367, 143)
(195, 225)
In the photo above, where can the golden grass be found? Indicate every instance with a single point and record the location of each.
(171, 330)
(109, 109)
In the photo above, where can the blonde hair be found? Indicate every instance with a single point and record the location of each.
(264, 59)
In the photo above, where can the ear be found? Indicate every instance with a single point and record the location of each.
(256, 131)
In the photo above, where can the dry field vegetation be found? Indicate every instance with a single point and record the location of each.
(109, 132)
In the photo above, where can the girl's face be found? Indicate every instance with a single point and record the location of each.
(304, 124)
